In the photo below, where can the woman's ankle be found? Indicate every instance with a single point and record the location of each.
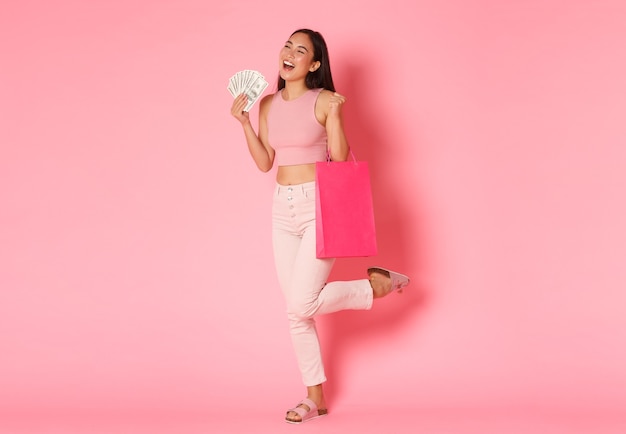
(316, 394)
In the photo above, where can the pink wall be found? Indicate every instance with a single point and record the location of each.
(135, 258)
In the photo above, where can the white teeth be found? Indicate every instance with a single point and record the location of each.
(288, 63)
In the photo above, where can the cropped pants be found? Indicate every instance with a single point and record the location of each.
(302, 277)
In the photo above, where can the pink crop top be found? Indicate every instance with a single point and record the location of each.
(293, 130)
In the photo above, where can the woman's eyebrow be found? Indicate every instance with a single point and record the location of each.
(299, 46)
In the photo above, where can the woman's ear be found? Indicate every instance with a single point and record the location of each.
(315, 66)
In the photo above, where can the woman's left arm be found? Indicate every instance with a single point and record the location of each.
(337, 141)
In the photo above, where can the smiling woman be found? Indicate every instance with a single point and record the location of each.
(299, 48)
(300, 125)
(136, 291)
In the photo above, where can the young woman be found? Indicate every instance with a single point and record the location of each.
(298, 125)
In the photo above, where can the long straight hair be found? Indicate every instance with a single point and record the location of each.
(321, 77)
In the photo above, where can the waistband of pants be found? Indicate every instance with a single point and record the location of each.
(295, 189)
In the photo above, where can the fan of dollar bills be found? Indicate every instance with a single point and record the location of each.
(252, 83)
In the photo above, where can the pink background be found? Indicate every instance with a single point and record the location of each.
(137, 288)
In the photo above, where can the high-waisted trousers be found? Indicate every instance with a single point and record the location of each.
(303, 277)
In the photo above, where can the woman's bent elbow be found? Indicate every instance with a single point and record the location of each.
(264, 167)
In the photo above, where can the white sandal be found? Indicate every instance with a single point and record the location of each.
(304, 414)
(398, 281)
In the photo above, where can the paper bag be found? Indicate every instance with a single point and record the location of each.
(344, 210)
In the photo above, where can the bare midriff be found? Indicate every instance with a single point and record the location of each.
(297, 174)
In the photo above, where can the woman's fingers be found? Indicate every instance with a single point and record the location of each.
(336, 101)
(239, 104)
(338, 97)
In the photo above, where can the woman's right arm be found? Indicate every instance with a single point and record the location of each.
(260, 150)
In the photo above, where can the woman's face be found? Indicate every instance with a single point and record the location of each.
(296, 58)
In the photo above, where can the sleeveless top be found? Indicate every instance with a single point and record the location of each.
(293, 130)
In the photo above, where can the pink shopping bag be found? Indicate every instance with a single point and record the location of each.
(344, 211)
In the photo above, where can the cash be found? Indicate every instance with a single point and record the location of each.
(250, 82)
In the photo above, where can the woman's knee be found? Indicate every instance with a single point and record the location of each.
(300, 308)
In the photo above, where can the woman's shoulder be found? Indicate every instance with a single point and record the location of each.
(324, 94)
(266, 102)
(267, 99)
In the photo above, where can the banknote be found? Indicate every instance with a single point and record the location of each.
(250, 82)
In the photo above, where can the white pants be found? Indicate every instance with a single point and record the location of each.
(302, 276)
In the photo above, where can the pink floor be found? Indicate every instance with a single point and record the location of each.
(342, 420)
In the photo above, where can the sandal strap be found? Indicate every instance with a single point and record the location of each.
(300, 411)
(309, 403)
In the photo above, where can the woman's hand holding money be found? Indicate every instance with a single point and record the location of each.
(237, 109)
